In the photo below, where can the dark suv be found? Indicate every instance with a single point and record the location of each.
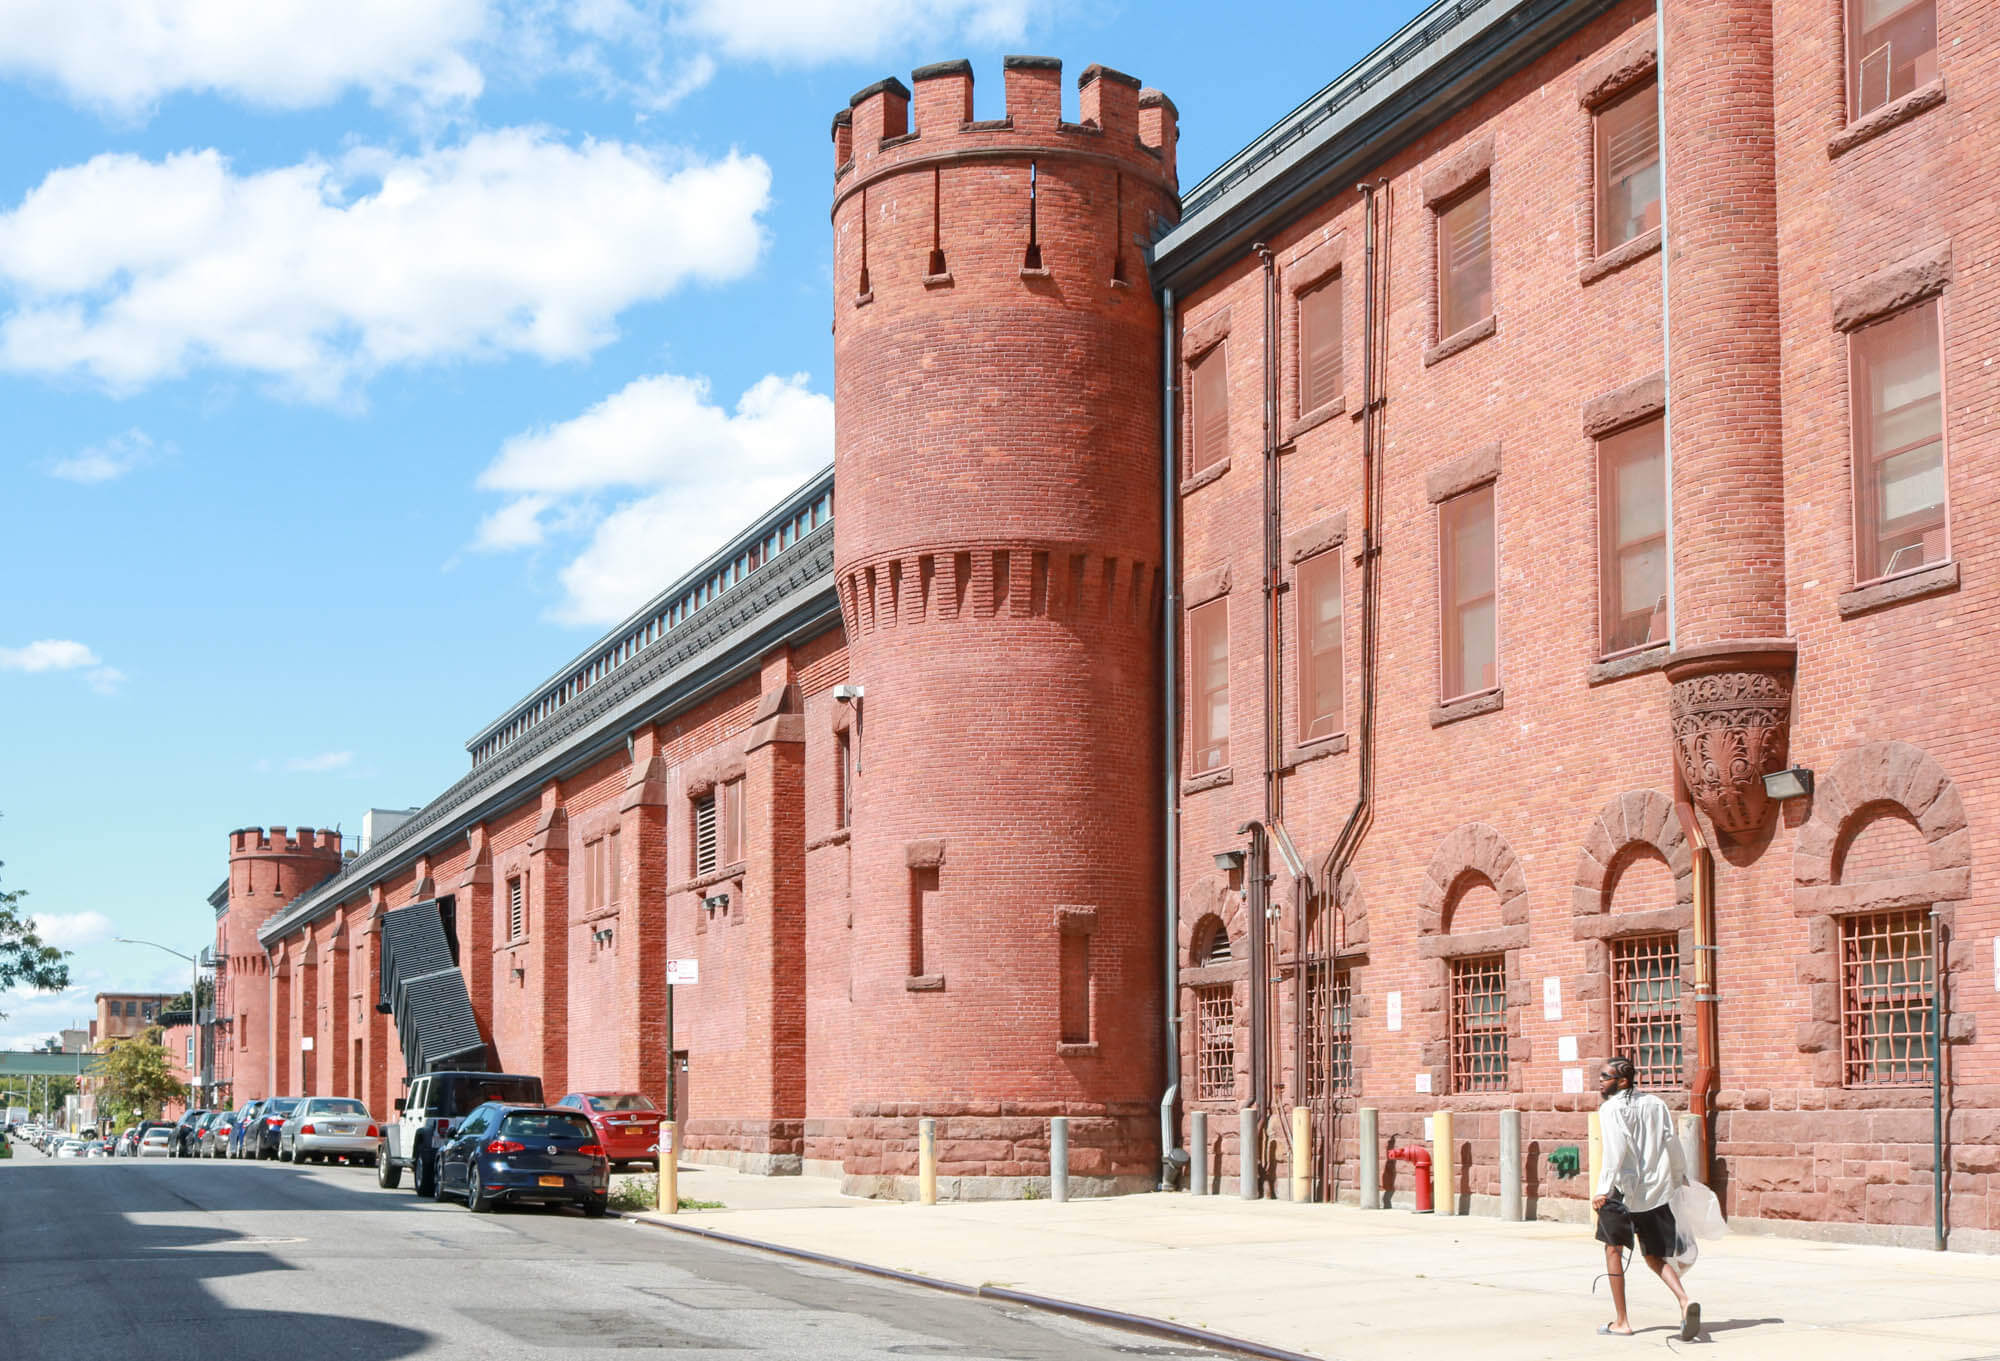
(183, 1145)
(435, 1100)
(260, 1141)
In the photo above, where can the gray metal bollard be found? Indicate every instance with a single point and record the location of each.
(1510, 1166)
(1059, 1158)
(1198, 1152)
(1369, 1138)
(1246, 1153)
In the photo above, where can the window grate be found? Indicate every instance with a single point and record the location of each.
(1646, 1007)
(704, 834)
(517, 911)
(1215, 1044)
(1479, 1024)
(1329, 1005)
(1885, 988)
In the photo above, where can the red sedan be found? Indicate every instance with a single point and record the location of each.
(628, 1124)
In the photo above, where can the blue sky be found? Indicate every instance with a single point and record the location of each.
(360, 362)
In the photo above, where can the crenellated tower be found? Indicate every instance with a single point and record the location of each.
(267, 870)
(998, 558)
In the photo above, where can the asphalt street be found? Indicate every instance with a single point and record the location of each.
(175, 1259)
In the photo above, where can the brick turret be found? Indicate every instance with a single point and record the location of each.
(998, 560)
(267, 870)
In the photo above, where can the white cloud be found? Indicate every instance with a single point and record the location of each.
(320, 764)
(125, 55)
(813, 32)
(107, 461)
(49, 654)
(68, 930)
(104, 680)
(317, 275)
(683, 473)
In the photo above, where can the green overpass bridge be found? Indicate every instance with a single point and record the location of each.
(39, 1063)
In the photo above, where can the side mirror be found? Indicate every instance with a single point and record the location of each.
(400, 1105)
(451, 1130)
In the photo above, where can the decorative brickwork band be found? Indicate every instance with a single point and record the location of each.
(1731, 709)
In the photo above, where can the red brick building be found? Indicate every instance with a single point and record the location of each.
(1526, 549)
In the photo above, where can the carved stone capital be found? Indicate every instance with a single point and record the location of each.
(1731, 709)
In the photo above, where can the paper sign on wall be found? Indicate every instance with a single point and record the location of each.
(1572, 1079)
(683, 971)
(1395, 1003)
(1552, 999)
(1430, 1132)
(305, 1042)
(1566, 1049)
(1423, 1082)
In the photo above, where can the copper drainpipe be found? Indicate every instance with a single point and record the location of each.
(1701, 1098)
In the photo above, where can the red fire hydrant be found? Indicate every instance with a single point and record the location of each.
(1419, 1160)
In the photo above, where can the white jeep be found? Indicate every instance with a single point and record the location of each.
(434, 1103)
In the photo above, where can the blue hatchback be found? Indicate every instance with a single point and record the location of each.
(526, 1155)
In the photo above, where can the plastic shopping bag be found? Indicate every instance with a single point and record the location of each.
(1697, 1211)
(1686, 1250)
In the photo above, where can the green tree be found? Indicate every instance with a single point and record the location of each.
(135, 1081)
(24, 959)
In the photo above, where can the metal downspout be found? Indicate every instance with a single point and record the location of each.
(1264, 959)
(1938, 1181)
(1170, 738)
(1701, 1098)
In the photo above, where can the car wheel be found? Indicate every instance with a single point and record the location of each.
(438, 1192)
(474, 1201)
(594, 1209)
(426, 1170)
(387, 1174)
(284, 1154)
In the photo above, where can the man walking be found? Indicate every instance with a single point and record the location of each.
(1642, 1166)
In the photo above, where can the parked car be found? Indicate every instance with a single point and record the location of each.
(127, 1141)
(263, 1142)
(628, 1124)
(242, 1134)
(184, 1131)
(503, 1154)
(435, 1100)
(322, 1128)
(157, 1142)
(97, 1148)
(214, 1134)
(70, 1148)
(139, 1131)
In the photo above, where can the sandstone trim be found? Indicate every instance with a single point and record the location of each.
(1202, 336)
(1470, 707)
(1316, 538)
(1936, 579)
(1615, 259)
(1878, 121)
(1464, 340)
(1197, 481)
(1639, 400)
(924, 855)
(1915, 277)
(1465, 168)
(1202, 587)
(1315, 418)
(1462, 474)
(1321, 262)
(1638, 662)
(1213, 779)
(1631, 62)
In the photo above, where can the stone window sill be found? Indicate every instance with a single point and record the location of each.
(863, 299)
(1615, 259)
(1315, 418)
(1213, 779)
(1316, 749)
(1637, 662)
(1207, 475)
(924, 982)
(834, 838)
(1027, 273)
(1470, 706)
(1879, 120)
(1066, 1050)
(711, 879)
(1463, 340)
(938, 280)
(1935, 579)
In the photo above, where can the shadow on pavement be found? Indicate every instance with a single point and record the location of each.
(1730, 1325)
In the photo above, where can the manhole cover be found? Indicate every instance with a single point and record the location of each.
(593, 1330)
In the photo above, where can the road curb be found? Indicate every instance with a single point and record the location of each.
(1115, 1318)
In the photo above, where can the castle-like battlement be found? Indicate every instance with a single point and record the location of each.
(275, 841)
(877, 132)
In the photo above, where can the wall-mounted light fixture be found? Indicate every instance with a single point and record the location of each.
(718, 901)
(602, 937)
(517, 974)
(1796, 783)
(1229, 861)
(847, 694)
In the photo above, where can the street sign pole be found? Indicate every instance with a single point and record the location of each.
(672, 1102)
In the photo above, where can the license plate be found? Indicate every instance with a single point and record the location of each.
(549, 1181)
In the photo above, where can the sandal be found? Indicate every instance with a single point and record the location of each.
(1607, 1330)
(1691, 1323)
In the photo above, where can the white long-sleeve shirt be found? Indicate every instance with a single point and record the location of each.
(1642, 1154)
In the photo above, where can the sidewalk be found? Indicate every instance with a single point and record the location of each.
(1381, 1285)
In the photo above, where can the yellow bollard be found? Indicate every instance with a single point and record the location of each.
(1302, 1137)
(1443, 1171)
(1596, 1155)
(670, 1166)
(927, 1162)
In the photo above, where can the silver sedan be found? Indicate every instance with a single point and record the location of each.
(323, 1128)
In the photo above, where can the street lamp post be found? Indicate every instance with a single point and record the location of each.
(201, 1074)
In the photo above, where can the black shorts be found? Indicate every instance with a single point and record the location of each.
(1654, 1228)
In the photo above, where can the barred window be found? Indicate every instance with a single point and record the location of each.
(1885, 987)
(1215, 1043)
(517, 910)
(1479, 1024)
(1646, 1007)
(704, 834)
(1329, 1005)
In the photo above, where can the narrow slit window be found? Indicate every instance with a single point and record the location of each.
(1075, 982)
(732, 822)
(1628, 167)
(1886, 980)
(1898, 423)
(517, 910)
(1479, 1024)
(1632, 537)
(1319, 345)
(1466, 577)
(843, 795)
(1208, 408)
(704, 834)
(1465, 262)
(1891, 50)
(1208, 667)
(1646, 1007)
(923, 902)
(1320, 668)
(1215, 1043)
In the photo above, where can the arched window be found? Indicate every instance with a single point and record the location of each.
(1217, 950)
